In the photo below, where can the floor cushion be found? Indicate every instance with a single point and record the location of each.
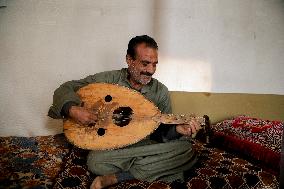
(255, 139)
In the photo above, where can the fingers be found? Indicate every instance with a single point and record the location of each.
(89, 118)
(189, 131)
(191, 128)
(93, 117)
(84, 116)
(184, 130)
(198, 124)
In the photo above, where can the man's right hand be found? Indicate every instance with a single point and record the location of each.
(82, 115)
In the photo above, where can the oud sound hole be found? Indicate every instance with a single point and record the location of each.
(122, 116)
(101, 131)
(108, 98)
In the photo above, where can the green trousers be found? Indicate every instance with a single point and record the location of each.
(146, 160)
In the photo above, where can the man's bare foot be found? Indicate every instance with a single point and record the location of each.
(103, 181)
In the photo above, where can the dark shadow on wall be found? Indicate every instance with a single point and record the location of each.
(3, 3)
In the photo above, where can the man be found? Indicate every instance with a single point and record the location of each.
(163, 155)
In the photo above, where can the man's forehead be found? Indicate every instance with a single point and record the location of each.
(143, 49)
(144, 46)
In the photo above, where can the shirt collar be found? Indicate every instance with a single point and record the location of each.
(125, 82)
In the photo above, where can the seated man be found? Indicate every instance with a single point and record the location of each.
(163, 155)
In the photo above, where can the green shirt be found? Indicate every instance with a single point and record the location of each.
(154, 91)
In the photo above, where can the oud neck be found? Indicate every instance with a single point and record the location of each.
(178, 119)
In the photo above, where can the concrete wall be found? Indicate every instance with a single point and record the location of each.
(205, 46)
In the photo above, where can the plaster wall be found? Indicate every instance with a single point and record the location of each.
(223, 46)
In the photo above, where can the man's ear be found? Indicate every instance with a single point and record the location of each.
(129, 60)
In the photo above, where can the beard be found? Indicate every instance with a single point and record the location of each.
(140, 77)
(144, 79)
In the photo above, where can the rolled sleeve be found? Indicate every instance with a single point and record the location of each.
(66, 93)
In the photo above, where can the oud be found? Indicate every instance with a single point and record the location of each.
(125, 117)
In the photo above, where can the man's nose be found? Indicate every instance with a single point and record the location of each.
(151, 69)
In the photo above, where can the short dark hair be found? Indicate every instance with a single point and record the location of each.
(149, 41)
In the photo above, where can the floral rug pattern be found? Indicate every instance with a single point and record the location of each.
(31, 162)
(215, 169)
(51, 162)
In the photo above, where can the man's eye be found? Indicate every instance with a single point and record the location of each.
(144, 64)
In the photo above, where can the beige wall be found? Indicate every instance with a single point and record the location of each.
(220, 106)
(205, 46)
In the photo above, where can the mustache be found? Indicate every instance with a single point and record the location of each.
(146, 73)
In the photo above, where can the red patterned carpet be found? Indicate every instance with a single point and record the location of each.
(215, 169)
(32, 162)
(47, 162)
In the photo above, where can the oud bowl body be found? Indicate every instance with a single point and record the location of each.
(107, 101)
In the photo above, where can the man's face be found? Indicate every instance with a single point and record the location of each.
(144, 66)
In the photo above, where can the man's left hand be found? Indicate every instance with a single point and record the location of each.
(188, 129)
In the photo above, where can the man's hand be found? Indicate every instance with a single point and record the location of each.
(82, 115)
(188, 129)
